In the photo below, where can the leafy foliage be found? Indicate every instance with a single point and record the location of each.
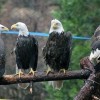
(81, 17)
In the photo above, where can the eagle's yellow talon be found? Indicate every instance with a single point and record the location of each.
(62, 70)
(32, 72)
(48, 71)
(19, 73)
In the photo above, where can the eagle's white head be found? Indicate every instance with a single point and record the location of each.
(23, 30)
(3, 28)
(56, 26)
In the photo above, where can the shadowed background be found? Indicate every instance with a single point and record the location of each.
(37, 16)
(81, 17)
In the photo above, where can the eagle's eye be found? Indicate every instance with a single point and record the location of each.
(57, 23)
(99, 58)
(2, 27)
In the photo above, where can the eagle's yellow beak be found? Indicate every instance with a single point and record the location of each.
(5, 29)
(13, 26)
(54, 25)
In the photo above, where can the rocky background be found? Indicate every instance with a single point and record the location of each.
(37, 15)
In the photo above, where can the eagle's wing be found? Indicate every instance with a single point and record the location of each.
(95, 52)
(49, 50)
(33, 52)
(35, 42)
(96, 35)
(2, 58)
(69, 39)
(95, 46)
(66, 42)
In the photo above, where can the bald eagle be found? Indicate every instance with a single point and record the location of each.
(26, 50)
(95, 47)
(57, 50)
(2, 51)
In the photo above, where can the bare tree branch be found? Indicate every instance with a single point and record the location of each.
(92, 84)
(41, 76)
(90, 88)
(86, 91)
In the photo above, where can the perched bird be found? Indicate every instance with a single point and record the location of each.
(96, 35)
(26, 52)
(95, 46)
(57, 50)
(2, 51)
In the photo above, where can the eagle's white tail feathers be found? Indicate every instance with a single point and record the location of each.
(56, 84)
(22, 85)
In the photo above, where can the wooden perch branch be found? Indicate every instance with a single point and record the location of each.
(41, 76)
(87, 90)
(91, 88)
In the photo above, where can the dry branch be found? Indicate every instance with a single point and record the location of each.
(92, 84)
(91, 87)
(41, 76)
(87, 90)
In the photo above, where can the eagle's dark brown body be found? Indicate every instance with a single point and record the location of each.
(95, 49)
(57, 50)
(2, 58)
(26, 52)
